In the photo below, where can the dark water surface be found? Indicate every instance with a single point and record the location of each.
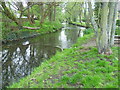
(19, 58)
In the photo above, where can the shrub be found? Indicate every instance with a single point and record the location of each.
(118, 22)
(88, 31)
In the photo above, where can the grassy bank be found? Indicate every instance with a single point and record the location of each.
(82, 24)
(117, 32)
(15, 34)
(75, 67)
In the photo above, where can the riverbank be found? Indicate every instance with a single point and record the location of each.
(75, 67)
(46, 27)
(82, 24)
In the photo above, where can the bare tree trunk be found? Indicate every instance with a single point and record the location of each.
(102, 49)
(54, 17)
(110, 21)
(30, 15)
(20, 6)
(46, 13)
(9, 14)
(50, 13)
(97, 12)
(41, 11)
(113, 25)
(92, 19)
(99, 9)
(105, 34)
(32, 19)
(87, 22)
(80, 12)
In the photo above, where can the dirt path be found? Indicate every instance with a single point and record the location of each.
(92, 42)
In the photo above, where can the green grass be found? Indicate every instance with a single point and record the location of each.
(80, 24)
(117, 32)
(88, 31)
(46, 27)
(73, 68)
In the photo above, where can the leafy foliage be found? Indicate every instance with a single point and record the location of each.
(117, 32)
(88, 31)
(118, 22)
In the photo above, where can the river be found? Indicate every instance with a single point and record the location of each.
(19, 58)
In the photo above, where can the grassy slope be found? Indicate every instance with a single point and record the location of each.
(84, 24)
(80, 24)
(75, 67)
(47, 27)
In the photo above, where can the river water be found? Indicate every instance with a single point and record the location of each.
(19, 58)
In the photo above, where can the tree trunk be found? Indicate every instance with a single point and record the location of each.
(30, 15)
(21, 11)
(103, 34)
(50, 13)
(92, 19)
(10, 15)
(110, 21)
(41, 11)
(113, 25)
(54, 16)
(80, 12)
(32, 19)
(46, 13)
(98, 14)
(87, 22)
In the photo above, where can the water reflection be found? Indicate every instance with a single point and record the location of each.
(80, 33)
(25, 43)
(63, 39)
(19, 61)
(20, 58)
